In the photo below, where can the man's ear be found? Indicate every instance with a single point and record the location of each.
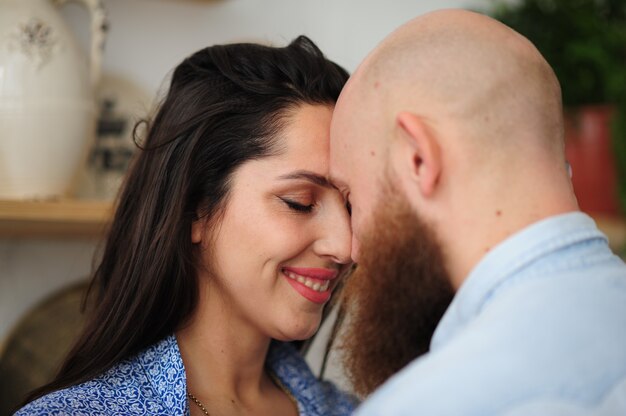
(420, 152)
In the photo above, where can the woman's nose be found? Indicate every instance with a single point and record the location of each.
(335, 237)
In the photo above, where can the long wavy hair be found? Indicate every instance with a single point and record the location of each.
(225, 106)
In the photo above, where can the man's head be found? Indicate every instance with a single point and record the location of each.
(454, 123)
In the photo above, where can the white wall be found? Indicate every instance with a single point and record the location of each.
(31, 269)
(147, 39)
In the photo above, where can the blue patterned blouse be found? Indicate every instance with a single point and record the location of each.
(153, 383)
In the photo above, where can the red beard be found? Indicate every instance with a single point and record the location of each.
(395, 298)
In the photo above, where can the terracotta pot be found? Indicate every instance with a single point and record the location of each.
(589, 151)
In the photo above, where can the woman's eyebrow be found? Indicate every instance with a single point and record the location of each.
(310, 177)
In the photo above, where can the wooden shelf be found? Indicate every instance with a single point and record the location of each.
(64, 218)
(76, 218)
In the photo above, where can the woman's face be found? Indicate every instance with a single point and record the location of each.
(284, 236)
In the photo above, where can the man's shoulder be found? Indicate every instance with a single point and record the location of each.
(541, 337)
(392, 402)
(551, 302)
(613, 403)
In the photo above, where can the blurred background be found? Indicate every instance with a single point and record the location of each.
(62, 158)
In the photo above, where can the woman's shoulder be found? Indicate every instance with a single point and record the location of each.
(127, 388)
(119, 390)
(315, 396)
(124, 389)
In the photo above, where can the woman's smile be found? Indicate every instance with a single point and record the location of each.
(313, 284)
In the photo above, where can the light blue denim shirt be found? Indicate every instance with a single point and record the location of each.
(537, 328)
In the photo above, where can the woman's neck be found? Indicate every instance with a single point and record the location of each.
(224, 355)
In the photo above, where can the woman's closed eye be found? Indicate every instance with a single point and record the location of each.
(296, 206)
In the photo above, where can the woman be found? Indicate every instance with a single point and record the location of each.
(227, 241)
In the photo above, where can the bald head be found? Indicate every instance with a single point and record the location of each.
(465, 116)
(469, 69)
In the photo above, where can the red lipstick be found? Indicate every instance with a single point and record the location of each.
(312, 283)
(314, 273)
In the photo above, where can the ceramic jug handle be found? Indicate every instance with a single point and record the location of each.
(99, 27)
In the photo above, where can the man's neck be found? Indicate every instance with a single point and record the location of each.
(487, 223)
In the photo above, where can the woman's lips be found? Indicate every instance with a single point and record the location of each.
(314, 273)
(313, 284)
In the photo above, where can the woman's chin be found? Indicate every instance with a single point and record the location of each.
(298, 332)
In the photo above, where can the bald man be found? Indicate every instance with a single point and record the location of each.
(478, 279)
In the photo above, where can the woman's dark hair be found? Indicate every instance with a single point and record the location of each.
(225, 106)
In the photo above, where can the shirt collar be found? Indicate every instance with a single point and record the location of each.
(292, 371)
(506, 260)
(164, 368)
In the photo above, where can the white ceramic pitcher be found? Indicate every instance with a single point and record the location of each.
(47, 104)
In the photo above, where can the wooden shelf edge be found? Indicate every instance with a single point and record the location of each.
(77, 218)
(58, 219)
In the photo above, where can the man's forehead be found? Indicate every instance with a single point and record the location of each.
(339, 152)
(337, 180)
(341, 125)
(344, 108)
(347, 116)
